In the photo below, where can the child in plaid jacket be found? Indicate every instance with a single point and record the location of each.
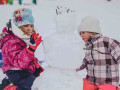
(102, 57)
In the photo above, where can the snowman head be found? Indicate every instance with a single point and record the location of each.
(65, 20)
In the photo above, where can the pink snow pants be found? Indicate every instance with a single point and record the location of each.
(87, 85)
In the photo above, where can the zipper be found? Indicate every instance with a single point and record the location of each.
(93, 63)
(108, 71)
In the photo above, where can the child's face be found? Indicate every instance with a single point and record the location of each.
(85, 35)
(28, 29)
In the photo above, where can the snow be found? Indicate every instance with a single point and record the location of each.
(62, 42)
(57, 79)
(60, 67)
(61, 57)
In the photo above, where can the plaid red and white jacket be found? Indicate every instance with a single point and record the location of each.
(102, 60)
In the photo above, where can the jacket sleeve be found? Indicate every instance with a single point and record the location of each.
(18, 56)
(84, 64)
(114, 47)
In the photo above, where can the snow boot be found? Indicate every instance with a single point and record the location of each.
(4, 83)
(10, 87)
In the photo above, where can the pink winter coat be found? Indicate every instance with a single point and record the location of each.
(15, 56)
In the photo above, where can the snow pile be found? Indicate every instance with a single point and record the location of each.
(1, 75)
(58, 79)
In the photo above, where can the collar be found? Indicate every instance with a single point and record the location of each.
(93, 39)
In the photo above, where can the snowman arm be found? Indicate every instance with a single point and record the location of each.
(60, 10)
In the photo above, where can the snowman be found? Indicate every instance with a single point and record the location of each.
(63, 54)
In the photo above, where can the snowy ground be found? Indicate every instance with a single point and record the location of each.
(44, 13)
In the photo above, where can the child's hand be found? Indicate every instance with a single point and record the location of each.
(38, 68)
(35, 40)
(78, 69)
(81, 67)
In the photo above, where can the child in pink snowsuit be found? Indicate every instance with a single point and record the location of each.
(102, 57)
(18, 43)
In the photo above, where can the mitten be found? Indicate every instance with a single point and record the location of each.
(38, 68)
(35, 40)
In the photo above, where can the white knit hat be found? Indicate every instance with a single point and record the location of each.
(89, 24)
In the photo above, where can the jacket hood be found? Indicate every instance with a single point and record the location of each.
(5, 38)
(17, 31)
(12, 28)
(14, 31)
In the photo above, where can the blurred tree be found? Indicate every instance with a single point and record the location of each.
(10, 2)
(20, 2)
(34, 1)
